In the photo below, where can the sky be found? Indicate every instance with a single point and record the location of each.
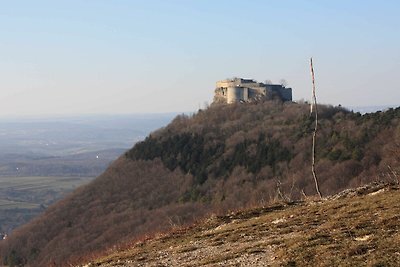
(118, 57)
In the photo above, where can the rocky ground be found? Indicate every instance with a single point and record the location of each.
(359, 227)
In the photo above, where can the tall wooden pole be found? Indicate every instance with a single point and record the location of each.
(315, 129)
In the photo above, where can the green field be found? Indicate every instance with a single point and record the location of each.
(7, 205)
(42, 183)
(22, 198)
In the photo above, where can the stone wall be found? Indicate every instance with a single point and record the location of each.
(246, 90)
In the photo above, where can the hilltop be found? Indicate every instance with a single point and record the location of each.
(355, 228)
(223, 158)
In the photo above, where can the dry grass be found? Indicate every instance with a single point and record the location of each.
(359, 229)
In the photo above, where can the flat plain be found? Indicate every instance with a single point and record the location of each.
(22, 198)
(43, 159)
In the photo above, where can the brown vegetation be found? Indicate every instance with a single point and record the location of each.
(356, 228)
(222, 158)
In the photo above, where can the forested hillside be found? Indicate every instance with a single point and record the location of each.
(226, 157)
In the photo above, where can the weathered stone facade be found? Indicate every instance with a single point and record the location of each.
(247, 90)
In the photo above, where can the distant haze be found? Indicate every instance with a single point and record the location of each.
(370, 109)
(66, 136)
(91, 57)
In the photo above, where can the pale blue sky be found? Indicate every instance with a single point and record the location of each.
(74, 57)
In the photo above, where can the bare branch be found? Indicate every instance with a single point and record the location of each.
(315, 131)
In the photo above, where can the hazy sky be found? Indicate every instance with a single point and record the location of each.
(72, 57)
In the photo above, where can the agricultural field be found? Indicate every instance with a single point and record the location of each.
(7, 205)
(43, 159)
(22, 198)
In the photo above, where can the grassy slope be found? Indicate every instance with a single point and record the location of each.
(361, 228)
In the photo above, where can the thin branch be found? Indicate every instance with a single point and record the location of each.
(394, 173)
(315, 131)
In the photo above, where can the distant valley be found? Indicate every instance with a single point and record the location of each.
(42, 159)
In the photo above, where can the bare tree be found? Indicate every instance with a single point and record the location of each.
(314, 102)
(283, 82)
(268, 82)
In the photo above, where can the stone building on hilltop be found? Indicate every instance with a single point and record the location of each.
(247, 90)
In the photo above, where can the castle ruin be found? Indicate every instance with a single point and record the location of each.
(248, 90)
